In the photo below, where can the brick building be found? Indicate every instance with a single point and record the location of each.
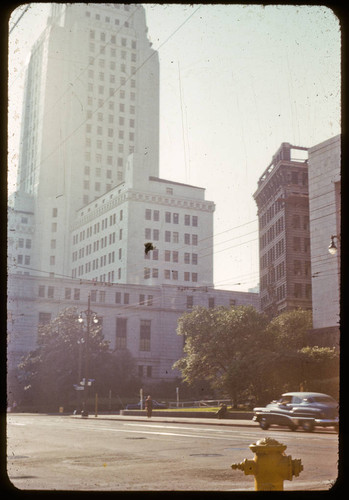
(284, 234)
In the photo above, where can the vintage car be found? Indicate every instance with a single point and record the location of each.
(299, 409)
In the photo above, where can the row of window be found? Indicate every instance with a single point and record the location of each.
(23, 259)
(169, 274)
(173, 256)
(97, 227)
(171, 217)
(24, 243)
(102, 37)
(300, 291)
(273, 253)
(270, 213)
(273, 231)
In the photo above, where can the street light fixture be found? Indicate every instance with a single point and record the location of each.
(91, 317)
(333, 247)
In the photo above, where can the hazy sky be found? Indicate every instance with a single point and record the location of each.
(235, 82)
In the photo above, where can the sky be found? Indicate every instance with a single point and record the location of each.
(235, 82)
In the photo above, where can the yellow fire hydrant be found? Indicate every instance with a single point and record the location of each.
(270, 466)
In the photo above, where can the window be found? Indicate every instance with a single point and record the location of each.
(186, 276)
(187, 239)
(145, 333)
(102, 296)
(297, 267)
(298, 290)
(117, 297)
(175, 218)
(54, 227)
(194, 258)
(186, 258)
(44, 318)
(167, 216)
(156, 234)
(126, 298)
(149, 371)
(175, 275)
(211, 302)
(76, 294)
(146, 273)
(169, 190)
(147, 214)
(194, 277)
(167, 255)
(52, 260)
(50, 292)
(93, 295)
(167, 274)
(155, 272)
(296, 221)
(156, 215)
(195, 220)
(67, 293)
(296, 244)
(190, 301)
(194, 240)
(175, 237)
(121, 333)
(41, 291)
(167, 236)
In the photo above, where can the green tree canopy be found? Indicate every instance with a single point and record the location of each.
(242, 355)
(53, 367)
(218, 345)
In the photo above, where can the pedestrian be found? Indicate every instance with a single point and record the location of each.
(149, 406)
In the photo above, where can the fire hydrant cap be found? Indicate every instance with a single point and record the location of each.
(267, 445)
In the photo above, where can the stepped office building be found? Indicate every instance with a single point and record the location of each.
(90, 195)
(90, 101)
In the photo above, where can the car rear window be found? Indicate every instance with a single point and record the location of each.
(319, 399)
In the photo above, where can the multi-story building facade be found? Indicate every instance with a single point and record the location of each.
(284, 234)
(91, 98)
(140, 318)
(325, 223)
(21, 233)
(109, 234)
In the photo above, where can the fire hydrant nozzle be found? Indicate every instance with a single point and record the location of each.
(270, 466)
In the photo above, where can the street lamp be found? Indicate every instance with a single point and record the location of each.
(91, 317)
(333, 247)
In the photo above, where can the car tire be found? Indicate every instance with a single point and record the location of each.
(293, 427)
(264, 424)
(308, 426)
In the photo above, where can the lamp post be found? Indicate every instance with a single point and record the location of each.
(333, 247)
(91, 317)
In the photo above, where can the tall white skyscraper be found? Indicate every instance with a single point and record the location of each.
(91, 99)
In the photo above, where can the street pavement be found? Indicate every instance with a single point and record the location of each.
(131, 453)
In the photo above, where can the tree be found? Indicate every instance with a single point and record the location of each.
(51, 370)
(219, 343)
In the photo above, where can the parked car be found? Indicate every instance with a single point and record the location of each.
(137, 406)
(304, 409)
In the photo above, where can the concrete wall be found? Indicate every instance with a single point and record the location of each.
(324, 203)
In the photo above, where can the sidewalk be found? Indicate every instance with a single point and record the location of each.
(174, 420)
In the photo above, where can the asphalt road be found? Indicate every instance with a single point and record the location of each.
(115, 454)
